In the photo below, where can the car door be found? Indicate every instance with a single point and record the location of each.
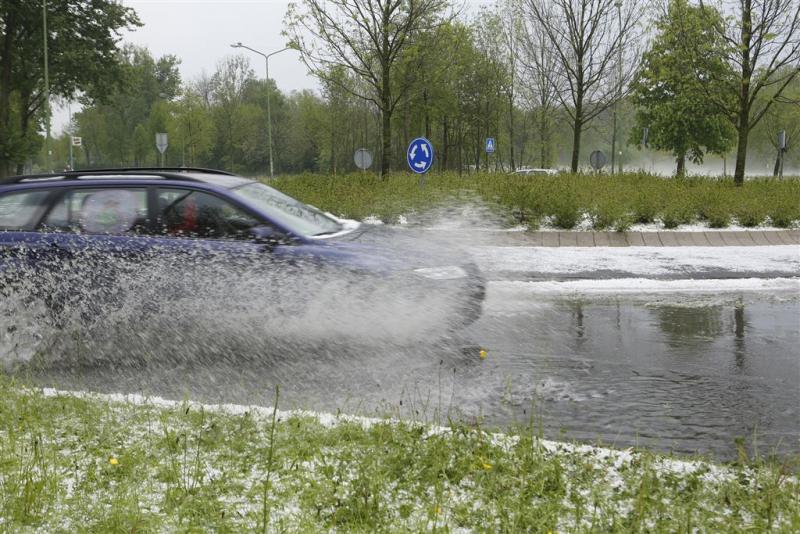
(202, 223)
(206, 243)
(92, 234)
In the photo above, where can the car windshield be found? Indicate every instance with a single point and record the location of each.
(298, 217)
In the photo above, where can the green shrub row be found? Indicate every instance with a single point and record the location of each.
(613, 202)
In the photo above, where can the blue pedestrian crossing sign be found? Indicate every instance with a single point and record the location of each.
(490, 145)
(420, 155)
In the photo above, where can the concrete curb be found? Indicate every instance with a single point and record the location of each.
(711, 238)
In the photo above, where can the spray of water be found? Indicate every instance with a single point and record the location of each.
(95, 306)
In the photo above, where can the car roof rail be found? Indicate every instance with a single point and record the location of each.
(201, 170)
(170, 173)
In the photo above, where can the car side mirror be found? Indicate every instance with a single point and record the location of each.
(267, 235)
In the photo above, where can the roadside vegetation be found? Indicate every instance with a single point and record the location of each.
(686, 74)
(75, 462)
(611, 202)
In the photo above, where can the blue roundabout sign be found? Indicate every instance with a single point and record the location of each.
(420, 155)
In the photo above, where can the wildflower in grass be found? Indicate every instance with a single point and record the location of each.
(486, 466)
(113, 461)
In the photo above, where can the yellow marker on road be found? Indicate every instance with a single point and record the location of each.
(483, 354)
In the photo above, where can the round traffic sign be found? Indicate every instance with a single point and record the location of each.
(597, 159)
(363, 158)
(420, 155)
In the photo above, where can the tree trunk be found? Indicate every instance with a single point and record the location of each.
(427, 114)
(333, 142)
(576, 145)
(680, 171)
(460, 152)
(511, 130)
(743, 125)
(777, 168)
(445, 143)
(5, 90)
(577, 125)
(741, 155)
(544, 139)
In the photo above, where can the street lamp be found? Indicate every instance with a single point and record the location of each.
(269, 115)
(46, 87)
(618, 96)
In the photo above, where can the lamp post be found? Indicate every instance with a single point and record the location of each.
(269, 113)
(46, 88)
(618, 5)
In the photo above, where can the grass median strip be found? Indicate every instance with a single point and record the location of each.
(610, 202)
(82, 462)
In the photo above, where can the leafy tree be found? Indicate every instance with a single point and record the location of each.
(500, 33)
(367, 37)
(228, 85)
(83, 36)
(305, 111)
(457, 100)
(540, 93)
(121, 129)
(194, 128)
(670, 92)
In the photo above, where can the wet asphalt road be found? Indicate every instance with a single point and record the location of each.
(686, 373)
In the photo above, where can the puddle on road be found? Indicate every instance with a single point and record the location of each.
(673, 373)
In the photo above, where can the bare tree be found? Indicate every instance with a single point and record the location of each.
(367, 37)
(588, 37)
(764, 49)
(538, 60)
(498, 30)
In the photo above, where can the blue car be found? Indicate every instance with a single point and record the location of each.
(135, 213)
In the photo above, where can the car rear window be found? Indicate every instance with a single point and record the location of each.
(18, 211)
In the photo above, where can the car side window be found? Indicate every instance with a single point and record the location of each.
(187, 213)
(19, 210)
(109, 211)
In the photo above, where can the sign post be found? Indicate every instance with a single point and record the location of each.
(490, 145)
(75, 141)
(161, 145)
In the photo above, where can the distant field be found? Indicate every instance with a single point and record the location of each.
(76, 462)
(611, 202)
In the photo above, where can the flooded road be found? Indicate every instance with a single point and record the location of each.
(676, 372)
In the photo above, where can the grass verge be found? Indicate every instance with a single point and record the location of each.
(612, 201)
(77, 462)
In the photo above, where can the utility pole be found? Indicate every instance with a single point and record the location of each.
(46, 88)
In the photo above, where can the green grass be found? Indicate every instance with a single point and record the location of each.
(89, 464)
(611, 201)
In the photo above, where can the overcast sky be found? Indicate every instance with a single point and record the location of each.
(200, 33)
